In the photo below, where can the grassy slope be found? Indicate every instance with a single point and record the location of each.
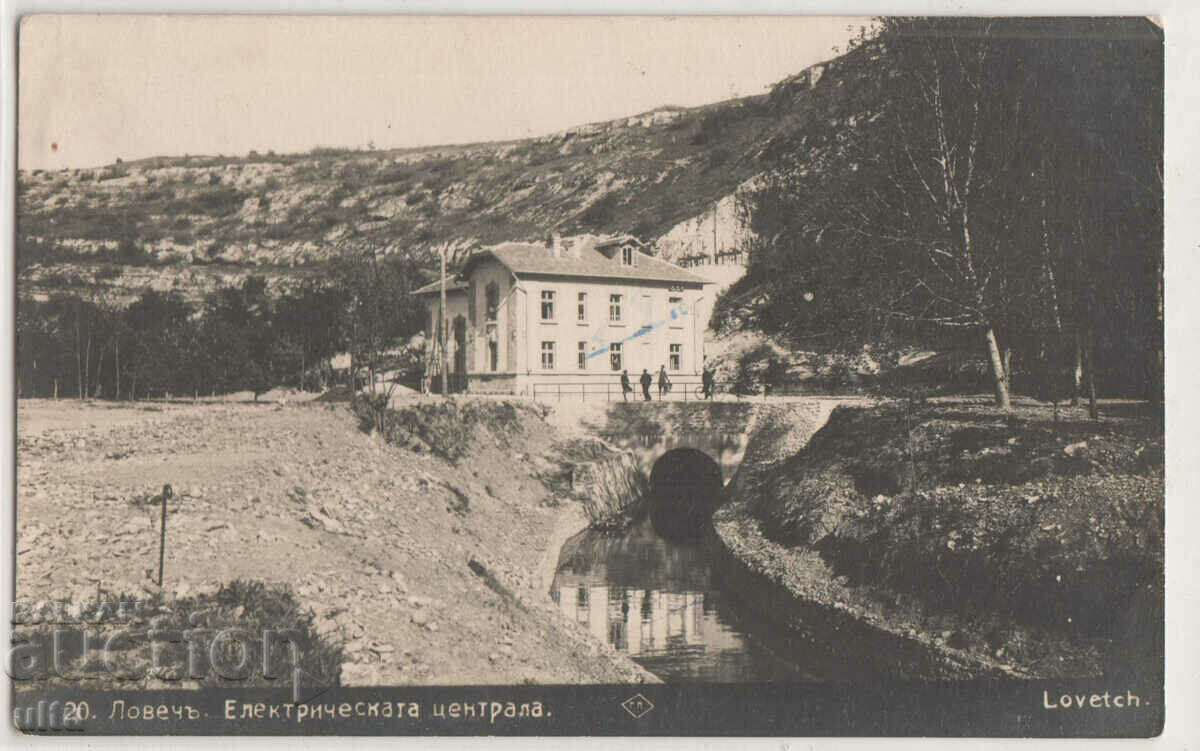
(1023, 532)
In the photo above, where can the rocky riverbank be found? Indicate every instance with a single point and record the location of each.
(423, 569)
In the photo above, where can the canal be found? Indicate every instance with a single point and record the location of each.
(660, 602)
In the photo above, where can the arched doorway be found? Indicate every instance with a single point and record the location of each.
(685, 489)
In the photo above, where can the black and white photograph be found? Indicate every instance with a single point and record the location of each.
(589, 376)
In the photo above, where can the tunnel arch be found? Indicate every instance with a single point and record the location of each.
(685, 488)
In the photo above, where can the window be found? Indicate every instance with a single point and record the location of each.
(471, 302)
(676, 357)
(614, 355)
(547, 305)
(493, 355)
(627, 255)
(492, 292)
(583, 355)
(675, 311)
(581, 313)
(547, 355)
(614, 308)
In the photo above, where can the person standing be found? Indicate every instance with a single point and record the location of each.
(626, 387)
(646, 380)
(664, 383)
(706, 379)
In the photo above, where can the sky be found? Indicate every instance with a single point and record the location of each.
(92, 88)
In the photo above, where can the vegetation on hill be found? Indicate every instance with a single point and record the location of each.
(1002, 191)
(641, 174)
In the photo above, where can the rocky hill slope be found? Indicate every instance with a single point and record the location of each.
(191, 222)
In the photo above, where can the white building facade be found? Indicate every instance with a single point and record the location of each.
(572, 314)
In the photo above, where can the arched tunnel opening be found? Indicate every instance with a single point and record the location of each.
(685, 490)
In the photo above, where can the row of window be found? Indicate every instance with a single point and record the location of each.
(675, 359)
(615, 303)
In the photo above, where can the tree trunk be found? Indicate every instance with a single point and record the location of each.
(1077, 374)
(998, 373)
(117, 369)
(78, 365)
(87, 363)
(1093, 409)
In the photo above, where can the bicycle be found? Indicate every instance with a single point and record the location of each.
(698, 391)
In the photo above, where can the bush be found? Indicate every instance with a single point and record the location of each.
(448, 429)
(249, 606)
(759, 367)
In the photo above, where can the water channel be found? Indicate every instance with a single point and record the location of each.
(660, 602)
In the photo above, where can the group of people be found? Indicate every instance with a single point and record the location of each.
(664, 383)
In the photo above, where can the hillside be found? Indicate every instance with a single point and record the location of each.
(193, 221)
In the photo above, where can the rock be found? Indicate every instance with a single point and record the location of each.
(431, 626)
(1073, 448)
(361, 674)
(419, 617)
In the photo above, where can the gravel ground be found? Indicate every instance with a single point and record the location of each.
(374, 538)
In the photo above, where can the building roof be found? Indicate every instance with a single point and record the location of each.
(434, 288)
(587, 261)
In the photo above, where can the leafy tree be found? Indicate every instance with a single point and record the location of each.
(984, 195)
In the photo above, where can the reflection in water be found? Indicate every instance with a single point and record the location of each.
(657, 601)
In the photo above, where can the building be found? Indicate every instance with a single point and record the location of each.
(574, 311)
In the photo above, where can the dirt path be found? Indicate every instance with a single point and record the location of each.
(376, 539)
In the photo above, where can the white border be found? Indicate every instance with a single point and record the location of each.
(1181, 22)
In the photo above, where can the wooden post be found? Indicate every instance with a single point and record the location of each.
(162, 540)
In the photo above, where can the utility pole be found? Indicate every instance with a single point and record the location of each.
(445, 359)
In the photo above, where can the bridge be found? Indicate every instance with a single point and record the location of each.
(690, 450)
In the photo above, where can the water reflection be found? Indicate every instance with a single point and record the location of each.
(657, 601)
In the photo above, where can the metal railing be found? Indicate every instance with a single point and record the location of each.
(680, 391)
